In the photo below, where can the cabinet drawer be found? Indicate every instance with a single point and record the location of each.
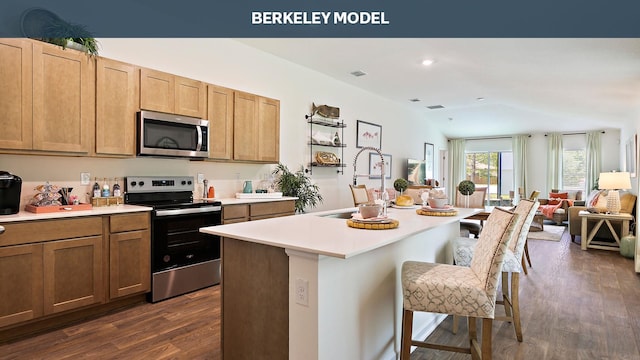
(45, 230)
(235, 211)
(272, 208)
(129, 222)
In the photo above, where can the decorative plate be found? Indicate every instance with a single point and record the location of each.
(327, 158)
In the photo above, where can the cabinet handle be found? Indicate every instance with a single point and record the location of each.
(1, 229)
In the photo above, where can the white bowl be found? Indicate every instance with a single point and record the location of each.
(437, 203)
(368, 211)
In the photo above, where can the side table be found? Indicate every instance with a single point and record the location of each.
(587, 239)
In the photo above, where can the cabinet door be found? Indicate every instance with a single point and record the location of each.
(190, 97)
(220, 116)
(73, 274)
(15, 93)
(245, 126)
(129, 263)
(157, 91)
(268, 130)
(117, 101)
(20, 283)
(63, 99)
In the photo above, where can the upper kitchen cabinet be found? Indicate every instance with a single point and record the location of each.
(256, 128)
(117, 101)
(168, 93)
(15, 94)
(220, 116)
(63, 99)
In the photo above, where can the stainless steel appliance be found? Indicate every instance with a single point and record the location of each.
(161, 134)
(182, 258)
(10, 189)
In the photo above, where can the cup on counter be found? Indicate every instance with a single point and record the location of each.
(247, 187)
(370, 210)
(436, 203)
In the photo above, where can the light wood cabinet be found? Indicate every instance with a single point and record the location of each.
(220, 116)
(256, 128)
(73, 274)
(20, 283)
(257, 211)
(168, 93)
(117, 102)
(63, 99)
(16, 94)
(129, 255)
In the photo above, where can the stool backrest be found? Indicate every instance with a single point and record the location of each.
(489, 253)
(526, 210)
(360, 194)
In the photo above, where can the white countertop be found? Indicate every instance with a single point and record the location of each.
(329, 236)
(101, 210)
(235, 201)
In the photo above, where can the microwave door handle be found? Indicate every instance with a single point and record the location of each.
(199, 130)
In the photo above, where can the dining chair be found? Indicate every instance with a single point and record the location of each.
(475, 200)
(464, 250)
(360, 194)
(464, 291)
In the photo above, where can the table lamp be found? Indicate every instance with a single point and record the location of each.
(614, 181)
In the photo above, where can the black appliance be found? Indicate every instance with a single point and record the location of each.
(161, 134)
(182, 258)
(10, 189)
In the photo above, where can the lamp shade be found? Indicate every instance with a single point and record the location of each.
(614, 181)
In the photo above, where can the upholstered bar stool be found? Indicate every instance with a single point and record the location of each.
(464, 291)
(464, 250)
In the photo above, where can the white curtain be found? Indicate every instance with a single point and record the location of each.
(554, 161)
(519, 147)
(457, 160)
(594, 161)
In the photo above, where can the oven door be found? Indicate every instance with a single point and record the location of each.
(162, 134)
(177, 241)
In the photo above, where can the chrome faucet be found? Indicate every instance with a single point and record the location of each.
(383, 191)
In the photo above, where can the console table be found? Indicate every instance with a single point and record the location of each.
(587, 236)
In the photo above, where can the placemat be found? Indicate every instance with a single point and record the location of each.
(373, 226)
(436, 213)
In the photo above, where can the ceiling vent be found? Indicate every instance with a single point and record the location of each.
(414, 100)
(435, 107)
(358, 73)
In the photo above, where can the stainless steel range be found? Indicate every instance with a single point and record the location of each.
(182, 258)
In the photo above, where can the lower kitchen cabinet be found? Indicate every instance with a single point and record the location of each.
(129, 255)
(257, 211)
(20, 283)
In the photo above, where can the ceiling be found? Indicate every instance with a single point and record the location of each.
(528, 85)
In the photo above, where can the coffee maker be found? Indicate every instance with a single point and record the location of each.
(10, 188)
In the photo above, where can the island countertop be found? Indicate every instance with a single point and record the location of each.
(321, 234)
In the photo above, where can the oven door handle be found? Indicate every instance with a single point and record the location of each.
(200, 210)
(199, 131)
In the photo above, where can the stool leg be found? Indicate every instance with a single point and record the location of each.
(505, 294)
(407, 328)
(487, 325)
(473, 333)
(526, 252)
(524, 267)
(454, 328)
(515, 303)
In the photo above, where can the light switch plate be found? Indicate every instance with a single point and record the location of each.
(85, 178)
(200, 178)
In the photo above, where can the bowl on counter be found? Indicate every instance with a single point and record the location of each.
(368, 211)
(437, 203)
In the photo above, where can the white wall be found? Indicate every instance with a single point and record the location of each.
(232, 64)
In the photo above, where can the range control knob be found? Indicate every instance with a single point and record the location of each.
(133, 183)
(183, 182)
(141, 183)
(189, 182)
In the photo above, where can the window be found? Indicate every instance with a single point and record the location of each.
(573, 169)
(494, 170)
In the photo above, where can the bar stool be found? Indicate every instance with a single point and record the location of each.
(464, 250)
(464, 291)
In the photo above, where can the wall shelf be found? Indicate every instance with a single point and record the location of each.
(315, 122)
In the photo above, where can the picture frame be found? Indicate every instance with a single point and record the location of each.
(631, 158)
(429, 160)
(374, 165)
(368, 135)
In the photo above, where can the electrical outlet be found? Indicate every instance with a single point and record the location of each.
(302, 291)
(85, 178)
(200, 178)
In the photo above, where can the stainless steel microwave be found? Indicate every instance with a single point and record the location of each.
(161, 134)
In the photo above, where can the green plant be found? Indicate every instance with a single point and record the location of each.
(299, 185)
(466, 187)
(400, 184)
(60, 32)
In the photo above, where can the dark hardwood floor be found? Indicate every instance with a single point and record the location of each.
(575, 305)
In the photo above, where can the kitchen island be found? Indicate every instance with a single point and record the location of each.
(310, 287)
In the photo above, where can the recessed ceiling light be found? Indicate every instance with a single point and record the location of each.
(428, 62)
(414, 100)
(435, 107)
(358, 73)
(480, 99)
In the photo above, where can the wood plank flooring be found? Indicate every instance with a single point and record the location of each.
(575, 305)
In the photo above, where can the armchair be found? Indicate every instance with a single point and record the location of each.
(598, 199)
(556, 207)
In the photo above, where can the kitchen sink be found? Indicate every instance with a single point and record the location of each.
(340, 215)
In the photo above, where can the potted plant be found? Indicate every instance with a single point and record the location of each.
(466, 188)
(299, 185)
(64, 34)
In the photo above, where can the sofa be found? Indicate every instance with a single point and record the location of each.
(556, 206)
(598, 199)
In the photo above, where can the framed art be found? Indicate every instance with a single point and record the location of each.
(428, 160)
(375, 168)
(631, 150)
(368, 135)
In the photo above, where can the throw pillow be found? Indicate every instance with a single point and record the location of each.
(560, 195)
(553, 201)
